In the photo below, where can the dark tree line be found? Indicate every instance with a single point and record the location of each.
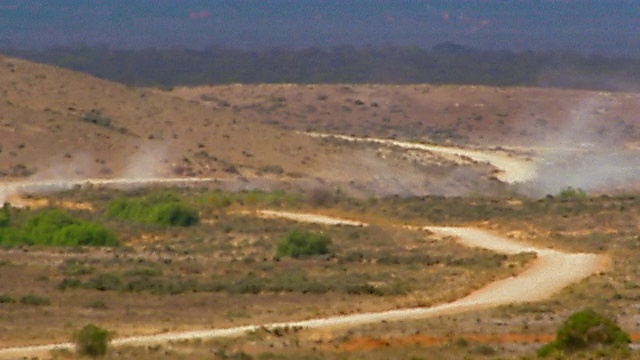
(446, 63)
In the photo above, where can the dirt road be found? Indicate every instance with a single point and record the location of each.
(511, 169)
(309, 218)
(551, 271)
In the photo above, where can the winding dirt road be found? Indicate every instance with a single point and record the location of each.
(550, 272)
(511, 169)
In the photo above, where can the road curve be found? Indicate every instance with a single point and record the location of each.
(550, 272)
(511, 169)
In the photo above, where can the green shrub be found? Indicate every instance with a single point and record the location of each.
(585, 329)
(92, 341)
(87, 234)
(298, 244)
(56, 227)
(69, 283)
(35, 300)
(40, 228)
(572, 193)
(162, 210)
(13, 237)
(6, 299)
(173, 214)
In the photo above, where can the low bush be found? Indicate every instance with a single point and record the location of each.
(585, 329)
(56, 227)
(572, 193)
(41, 227)
(92, 341)
(69, 283)
(34, 300)
(162, 210)
(299, 244)
(6, 299)
(86, 234)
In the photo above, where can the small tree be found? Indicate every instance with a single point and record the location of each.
(92, 341)
(303, 243)
(584, 329)
(572, 193)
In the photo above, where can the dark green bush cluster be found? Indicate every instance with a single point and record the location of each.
(56, 227)
(162, 210)
(572, 193)
(585, 329)
(92, 341)
(299, 244)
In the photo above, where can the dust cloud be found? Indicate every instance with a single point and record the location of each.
(587, 153)
(144, 166)
(148, 162)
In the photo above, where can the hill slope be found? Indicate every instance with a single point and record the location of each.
(57, 122)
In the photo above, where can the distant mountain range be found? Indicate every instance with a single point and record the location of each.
(604, 27)
(446, 63)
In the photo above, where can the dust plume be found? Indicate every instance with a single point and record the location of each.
(144, 166)
(54, 178)
(148, 162)
(587, 153)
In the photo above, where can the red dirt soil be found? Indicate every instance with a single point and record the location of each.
(368, 343)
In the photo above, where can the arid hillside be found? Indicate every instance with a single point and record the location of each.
(448, 113)
(56, 122)
(58, 125)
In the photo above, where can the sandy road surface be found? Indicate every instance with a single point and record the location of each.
(551, 271)
(512, 169)
(309, 218)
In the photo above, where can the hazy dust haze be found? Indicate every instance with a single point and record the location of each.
(586, 153)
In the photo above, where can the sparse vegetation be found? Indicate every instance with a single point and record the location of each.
(231, 256)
